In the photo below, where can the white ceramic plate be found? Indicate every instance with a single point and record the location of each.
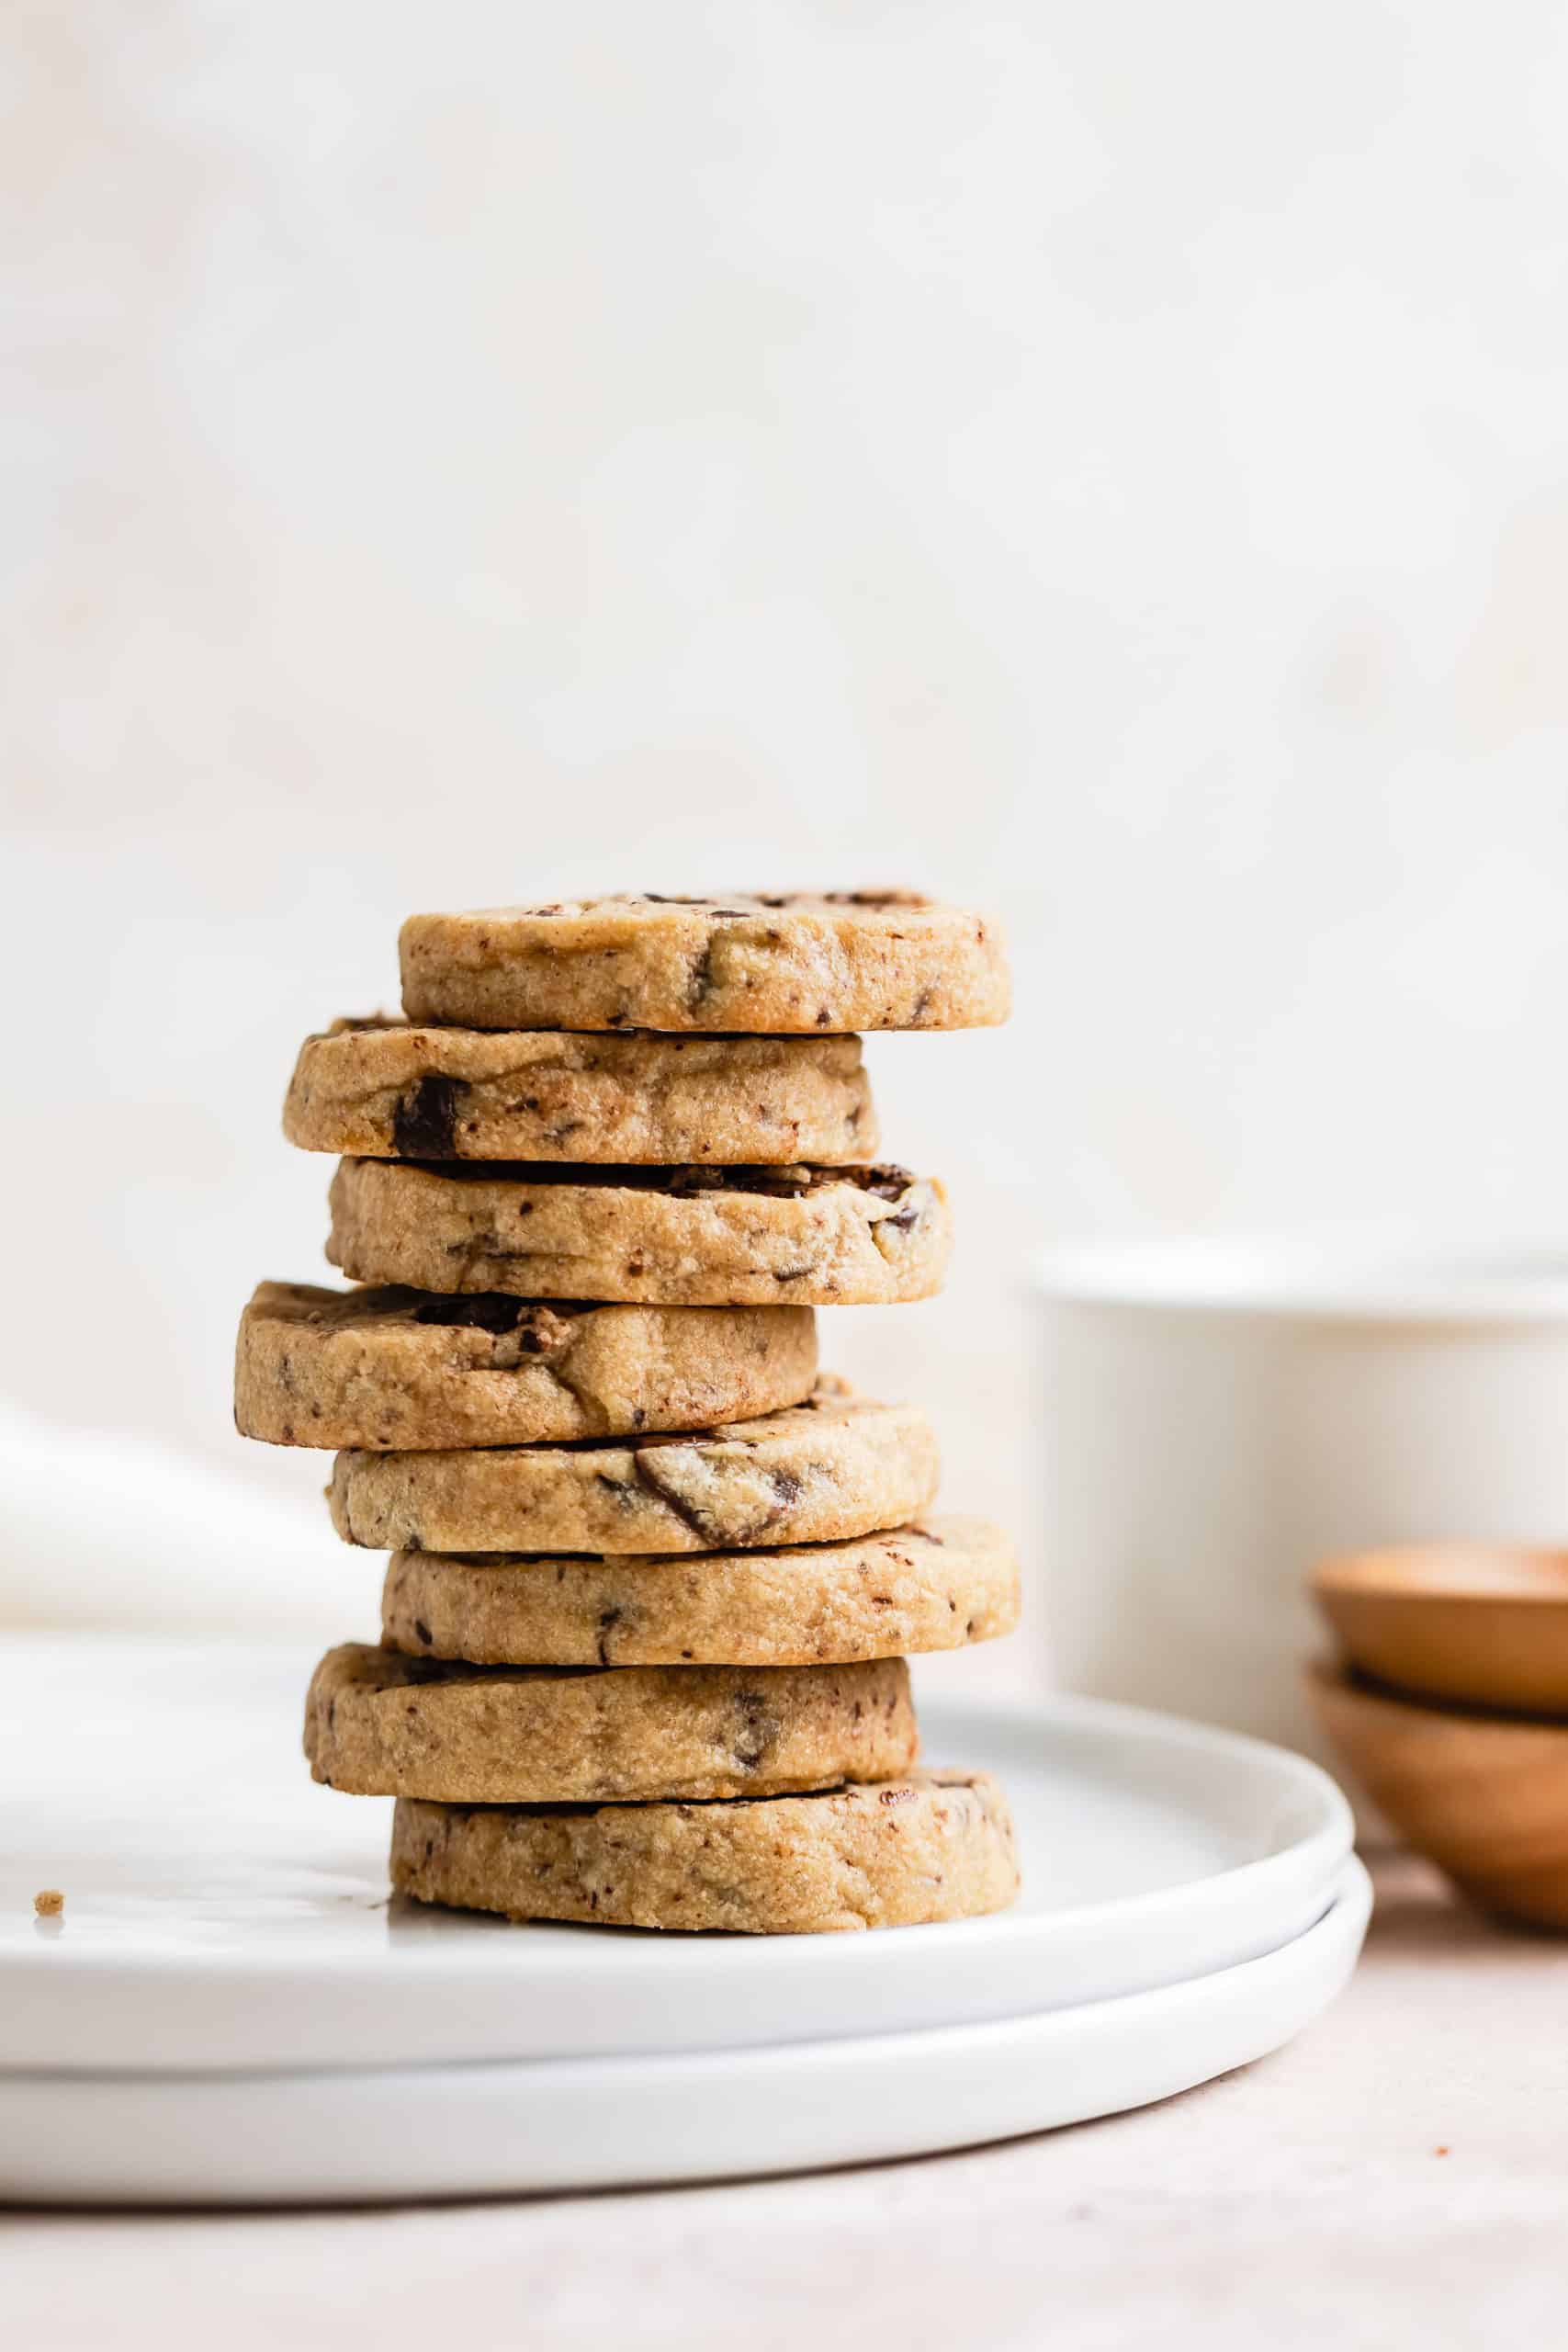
(596, 2123)
(223, 1912)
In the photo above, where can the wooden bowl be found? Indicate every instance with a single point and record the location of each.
(1485, 1625)
(1485, 1797)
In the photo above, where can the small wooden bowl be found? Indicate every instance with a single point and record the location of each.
(1485, 1797)
(1485, 1625)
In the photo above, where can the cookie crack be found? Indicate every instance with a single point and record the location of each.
(593, 1409)
(689, 1515)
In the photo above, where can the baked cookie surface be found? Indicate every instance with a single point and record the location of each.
(780, 966)
(742, 1236)
(834, 1466)
(381, 1725)
(936, 1585)
(398, 1368)
(384, 1090)
(928, 1847)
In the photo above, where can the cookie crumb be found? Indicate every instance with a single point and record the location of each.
(49, 1903)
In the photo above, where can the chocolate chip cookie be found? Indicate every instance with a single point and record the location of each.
(394, 1368)
(835, 1466)
(932, 1586)
(740, 1237)
(926, 1847)
(384, 1091)
(780, 966)
(379, 1724)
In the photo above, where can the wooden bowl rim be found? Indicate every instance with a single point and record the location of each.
(1393, 1573)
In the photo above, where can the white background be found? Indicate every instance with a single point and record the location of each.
(1107, 464)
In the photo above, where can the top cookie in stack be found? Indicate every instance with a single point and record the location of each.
(848, 960)
(578, 1222)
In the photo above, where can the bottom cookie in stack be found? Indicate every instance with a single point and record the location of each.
(905, 1852)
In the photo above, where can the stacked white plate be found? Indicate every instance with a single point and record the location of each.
(231, 2010)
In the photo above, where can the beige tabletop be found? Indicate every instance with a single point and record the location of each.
(1398, 2176)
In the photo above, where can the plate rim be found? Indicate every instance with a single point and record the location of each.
(1201, 2028)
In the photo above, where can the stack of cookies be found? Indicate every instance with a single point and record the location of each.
(654, 1577)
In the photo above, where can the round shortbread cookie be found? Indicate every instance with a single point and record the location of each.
(835, 1466)
(692, 1237)
(396, 1368)
(380, 1090)
(928, 1847)
(380, 1724)
(851, 959)
(934, 1586)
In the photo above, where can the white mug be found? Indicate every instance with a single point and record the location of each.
(1219, 1417)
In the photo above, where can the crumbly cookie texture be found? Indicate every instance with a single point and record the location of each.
(837, 1465)
(932, 1586)
(782, 965)
(379, 1724)
(929, 1846)
(396, 1368)
(751, 1236)
(382, 1090)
